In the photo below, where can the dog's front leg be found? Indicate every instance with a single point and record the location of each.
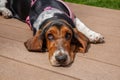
(5, 12)
(93, 36)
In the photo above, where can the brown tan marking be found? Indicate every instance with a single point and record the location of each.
(35, 43)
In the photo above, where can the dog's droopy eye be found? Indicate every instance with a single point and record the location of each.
(68, 36)
(50, 37)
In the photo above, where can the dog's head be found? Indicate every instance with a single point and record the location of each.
(62, 41)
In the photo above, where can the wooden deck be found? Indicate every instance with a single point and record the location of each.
(101, 62)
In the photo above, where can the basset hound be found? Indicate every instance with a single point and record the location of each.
(55, 28)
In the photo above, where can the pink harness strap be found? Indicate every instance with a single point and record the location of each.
(28, 17)
(32, 2)
(28, 22)
(70, 12)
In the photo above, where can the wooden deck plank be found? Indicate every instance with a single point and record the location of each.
(15, 33)
(12, 70)
(81, 68)
(14, 23)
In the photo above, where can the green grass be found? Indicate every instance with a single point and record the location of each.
(113, 4)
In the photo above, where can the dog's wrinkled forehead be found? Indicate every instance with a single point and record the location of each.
(58, 24)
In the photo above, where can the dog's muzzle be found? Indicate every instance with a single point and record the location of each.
(60, 58)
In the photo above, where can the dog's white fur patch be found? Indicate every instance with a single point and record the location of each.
(2, 3)
(45, 15)
(92, 35)
(5, 12)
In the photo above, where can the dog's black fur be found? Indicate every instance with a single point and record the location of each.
(22, 8)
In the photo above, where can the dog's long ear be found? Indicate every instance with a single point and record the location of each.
(80, 42)
(35, 43)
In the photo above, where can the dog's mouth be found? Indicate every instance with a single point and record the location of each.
(59, 64)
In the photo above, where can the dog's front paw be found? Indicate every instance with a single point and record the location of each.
(95, 37)
(7, 13)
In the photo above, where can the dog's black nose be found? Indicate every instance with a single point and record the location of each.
(61, 58)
